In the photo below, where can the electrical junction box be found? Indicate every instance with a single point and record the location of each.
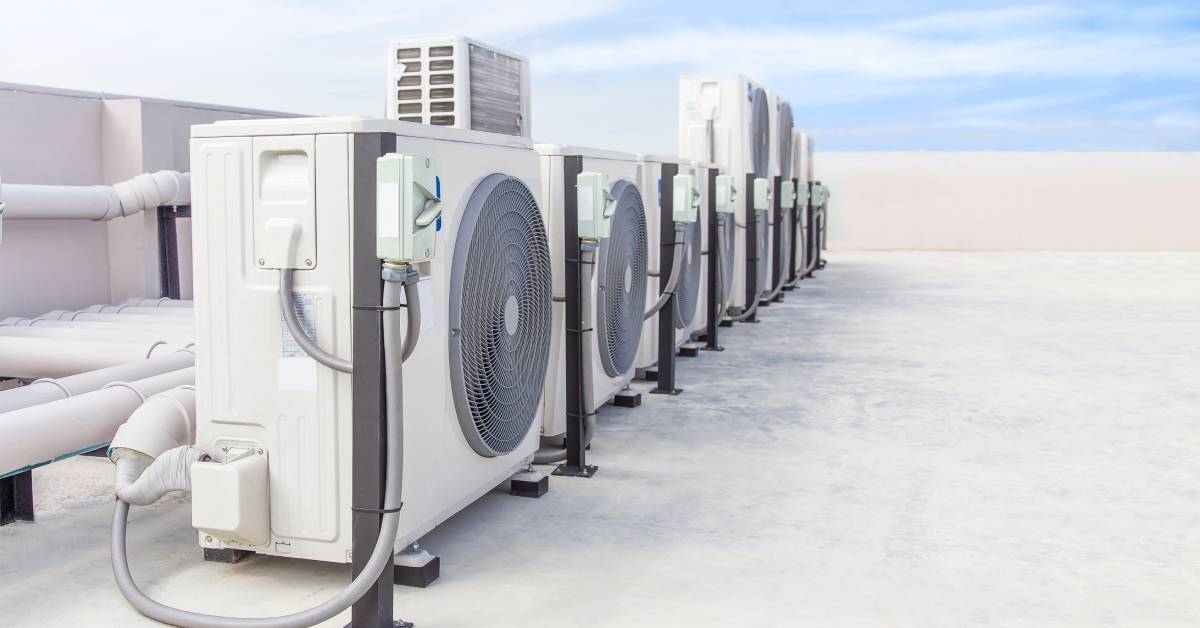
(820, 195)
(408, 207)
(230, 499)
(686, 199)
(802, 196)
(787, 194)
(726, 194)
(595, 204)
(762, 194)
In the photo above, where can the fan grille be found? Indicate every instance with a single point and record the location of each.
(499, 315)
(760, 133)
(785, 140)
(687, 292)
(621, 282)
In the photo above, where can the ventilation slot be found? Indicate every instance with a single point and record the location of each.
(441, 79)
(409, 81)
(441, 65)
(409, 107)
(441, 51)
(408, 53)
(442, 107)
(408, 94)
(442, 120)
(442, 93)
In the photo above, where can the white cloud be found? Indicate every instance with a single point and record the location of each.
(765, 53)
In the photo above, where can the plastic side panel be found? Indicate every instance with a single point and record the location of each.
(554, 420)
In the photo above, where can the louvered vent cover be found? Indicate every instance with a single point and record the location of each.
(621, 282)
(763, 243)
(785, 141)
(687, 292)
(499, 315)
(495, 92)
(760, 133)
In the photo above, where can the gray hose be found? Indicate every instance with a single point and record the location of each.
(413, 299)
(558, 454)
(810, 262)
(298, 333)
(669, 290)
(720, 304)
(380, 554)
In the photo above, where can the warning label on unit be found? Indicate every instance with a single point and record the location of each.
(302, 305)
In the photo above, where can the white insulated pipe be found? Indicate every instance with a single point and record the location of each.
(95, 202)
(48, 390)
(132, 319)
(160, 302)
(118, 333)
(39, 434)
(115, 325)
(142, 310)
(33, 358)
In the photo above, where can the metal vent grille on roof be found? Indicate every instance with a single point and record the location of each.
(495, 92)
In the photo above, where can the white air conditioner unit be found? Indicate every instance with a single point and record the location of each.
(802, 160)
(686, 196)
(458, 82)
(472, 390)
(616, 283)
(726, 119)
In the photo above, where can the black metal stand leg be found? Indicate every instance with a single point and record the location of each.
(712, 318)
(16, 498)
(576, 464)
(751, 249)
(665, 382)
(368, 432)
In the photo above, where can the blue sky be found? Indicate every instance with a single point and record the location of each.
(874, 75)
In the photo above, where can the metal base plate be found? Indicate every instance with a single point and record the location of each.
(670, 391)
(586, 471)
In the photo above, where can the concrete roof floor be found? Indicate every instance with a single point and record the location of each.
(910, 440)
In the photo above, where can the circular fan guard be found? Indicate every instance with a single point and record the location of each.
(621, 282)
(785, 141)
(500, 320)
(760, 133)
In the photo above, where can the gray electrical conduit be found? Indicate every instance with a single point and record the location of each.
(328, 359)
(677, 261)
(384, 544)
(811, 263)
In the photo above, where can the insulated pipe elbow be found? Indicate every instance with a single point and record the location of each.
(96, 202)
(165, 421)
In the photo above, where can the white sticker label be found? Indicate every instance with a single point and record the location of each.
(387, 205)
(297, 374)
(428, 305)
(302, 305)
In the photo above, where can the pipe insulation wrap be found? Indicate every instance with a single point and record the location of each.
(49, 390)
(141, 485)
(39, 434)
(165, 421)
(96, 202)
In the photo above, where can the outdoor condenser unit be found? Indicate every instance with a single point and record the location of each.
(704, 242)
(686, 203)
(781, 170)
(458, 82)
(613, 220)
(315, 195)
(726, 119)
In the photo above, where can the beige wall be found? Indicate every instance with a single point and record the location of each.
(995, 201)
(51, 136)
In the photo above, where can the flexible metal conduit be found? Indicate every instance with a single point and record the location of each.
(673, 280)
(96, 202)
(43, 433)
